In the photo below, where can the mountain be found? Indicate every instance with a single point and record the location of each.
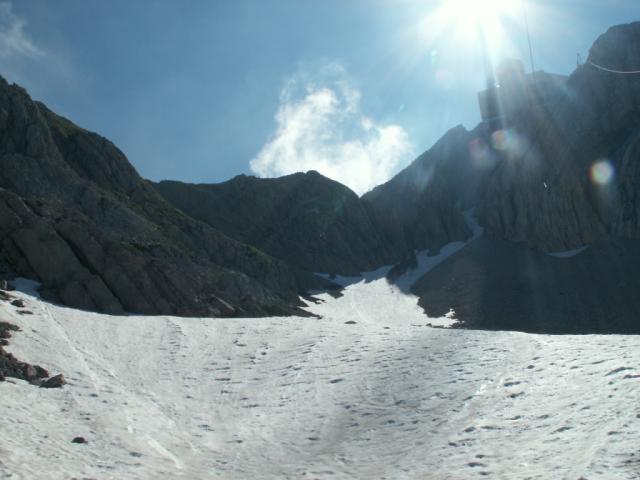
(556, 174)
(319, 225)
(306, 219)
(543, 196)
(420, 208)
(536, 188)
(500, 285)
(76, 216)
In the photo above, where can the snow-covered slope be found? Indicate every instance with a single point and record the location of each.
(384, 397)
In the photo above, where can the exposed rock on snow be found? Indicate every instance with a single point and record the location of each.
(10, 366)
(56, 381)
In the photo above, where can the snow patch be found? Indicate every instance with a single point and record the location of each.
(569, 253)
(426, 262)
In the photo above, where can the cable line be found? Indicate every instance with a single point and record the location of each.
(621, 72)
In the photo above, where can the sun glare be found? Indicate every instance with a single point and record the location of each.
(474, 13)
(471, 21)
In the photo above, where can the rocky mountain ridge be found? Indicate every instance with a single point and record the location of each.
(306, 219)
(248, 246)
(75, 215)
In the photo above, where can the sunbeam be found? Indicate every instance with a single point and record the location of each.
(470, 22)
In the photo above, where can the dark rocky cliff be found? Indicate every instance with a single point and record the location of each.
(319, 225)
(305, 219)
(421, 207)
(544, 196)
(541, 195)
(75, 215)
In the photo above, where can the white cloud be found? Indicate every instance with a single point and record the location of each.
(320, 127)
(13, 39)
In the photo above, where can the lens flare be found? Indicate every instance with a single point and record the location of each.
(501, 139)
(508, 141)
(602, 172)
(481, 157)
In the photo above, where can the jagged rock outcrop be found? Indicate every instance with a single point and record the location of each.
(75, 215)
(305, 219)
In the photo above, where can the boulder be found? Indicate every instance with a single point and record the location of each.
(10, 366)
(56, 381)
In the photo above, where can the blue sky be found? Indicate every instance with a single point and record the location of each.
(202, 91)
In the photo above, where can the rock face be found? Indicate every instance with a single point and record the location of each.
(320, 225)
(75, 215)
(420, 208)
(305, 219)
(542, 194)
(499, 285)
(530, 182)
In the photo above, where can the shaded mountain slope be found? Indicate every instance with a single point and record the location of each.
(77, 216)
(542, 195)
(306, 219)
(420, 208)
(545, 195)
(530, 181)
(501, 285)
(320, 225)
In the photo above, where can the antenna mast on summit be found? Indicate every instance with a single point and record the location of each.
(526, 25)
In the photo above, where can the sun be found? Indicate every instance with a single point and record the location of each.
(477, 13)
(471, 21)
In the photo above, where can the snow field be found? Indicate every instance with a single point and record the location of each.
(385, 397)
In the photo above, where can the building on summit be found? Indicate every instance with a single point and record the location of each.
(513, 91)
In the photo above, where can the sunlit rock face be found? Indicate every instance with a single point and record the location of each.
(614, 116)
(537, 194)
